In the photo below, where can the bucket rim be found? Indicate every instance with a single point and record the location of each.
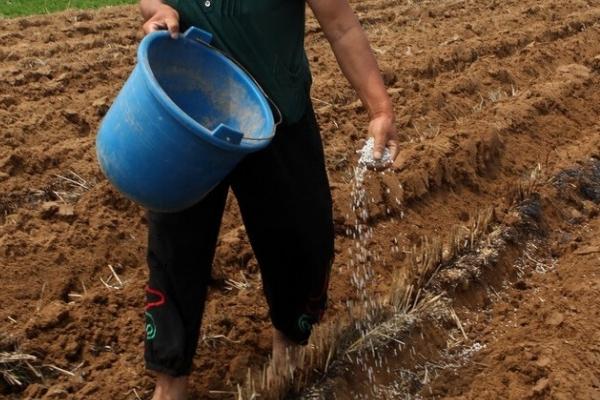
(182, 117)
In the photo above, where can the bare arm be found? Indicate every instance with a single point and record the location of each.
(353, 53)
(158, 16)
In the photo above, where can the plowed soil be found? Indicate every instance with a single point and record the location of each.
(487, 93)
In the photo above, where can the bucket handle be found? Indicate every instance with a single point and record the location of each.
(205, 38)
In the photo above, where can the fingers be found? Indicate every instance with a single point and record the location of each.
(150, 26)
(165, 18)
(172, 24)
(385, 139)
(394, 148)
(379, 146)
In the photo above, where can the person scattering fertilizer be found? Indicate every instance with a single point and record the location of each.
(282, 191)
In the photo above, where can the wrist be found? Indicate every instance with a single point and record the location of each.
(167, 8)
(149, 8)
(379, 103)
(384, 110)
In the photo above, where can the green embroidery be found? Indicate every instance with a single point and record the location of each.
(150, 327)
(305, 323)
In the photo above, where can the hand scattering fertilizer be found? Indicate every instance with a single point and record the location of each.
(184, 119)
(366, 162)
(366, 156)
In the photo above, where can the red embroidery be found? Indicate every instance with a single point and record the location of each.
(161, 298)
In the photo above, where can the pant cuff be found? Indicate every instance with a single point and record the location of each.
(165, 370)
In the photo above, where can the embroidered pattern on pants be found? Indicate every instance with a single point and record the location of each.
(150, 324)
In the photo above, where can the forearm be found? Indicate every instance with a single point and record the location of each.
(357, 62)
(353, 52)
(149, 7)
(354, 55)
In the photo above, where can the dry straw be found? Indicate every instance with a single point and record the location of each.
(372, 325)
(16, 368)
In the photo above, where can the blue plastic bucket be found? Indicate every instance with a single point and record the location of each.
(186, 116)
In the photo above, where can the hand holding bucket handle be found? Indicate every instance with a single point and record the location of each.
(159, 17)
(205, 38)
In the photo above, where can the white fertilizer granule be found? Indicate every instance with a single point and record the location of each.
(366, 156)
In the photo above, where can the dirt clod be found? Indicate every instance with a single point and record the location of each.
(48, 317)
(555, 319)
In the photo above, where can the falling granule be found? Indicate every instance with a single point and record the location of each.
(363, 254)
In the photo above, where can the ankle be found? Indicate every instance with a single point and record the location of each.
(284, 351)
(170, 388)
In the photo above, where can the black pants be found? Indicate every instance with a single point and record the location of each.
(284, 197)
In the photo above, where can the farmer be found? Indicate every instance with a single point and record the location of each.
(282, 191)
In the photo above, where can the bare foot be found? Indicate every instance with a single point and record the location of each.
(170, 388)
(285, 353)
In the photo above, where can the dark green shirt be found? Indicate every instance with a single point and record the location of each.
(266, 37)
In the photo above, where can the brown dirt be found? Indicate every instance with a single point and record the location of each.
(484, 91)
(541, 337)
